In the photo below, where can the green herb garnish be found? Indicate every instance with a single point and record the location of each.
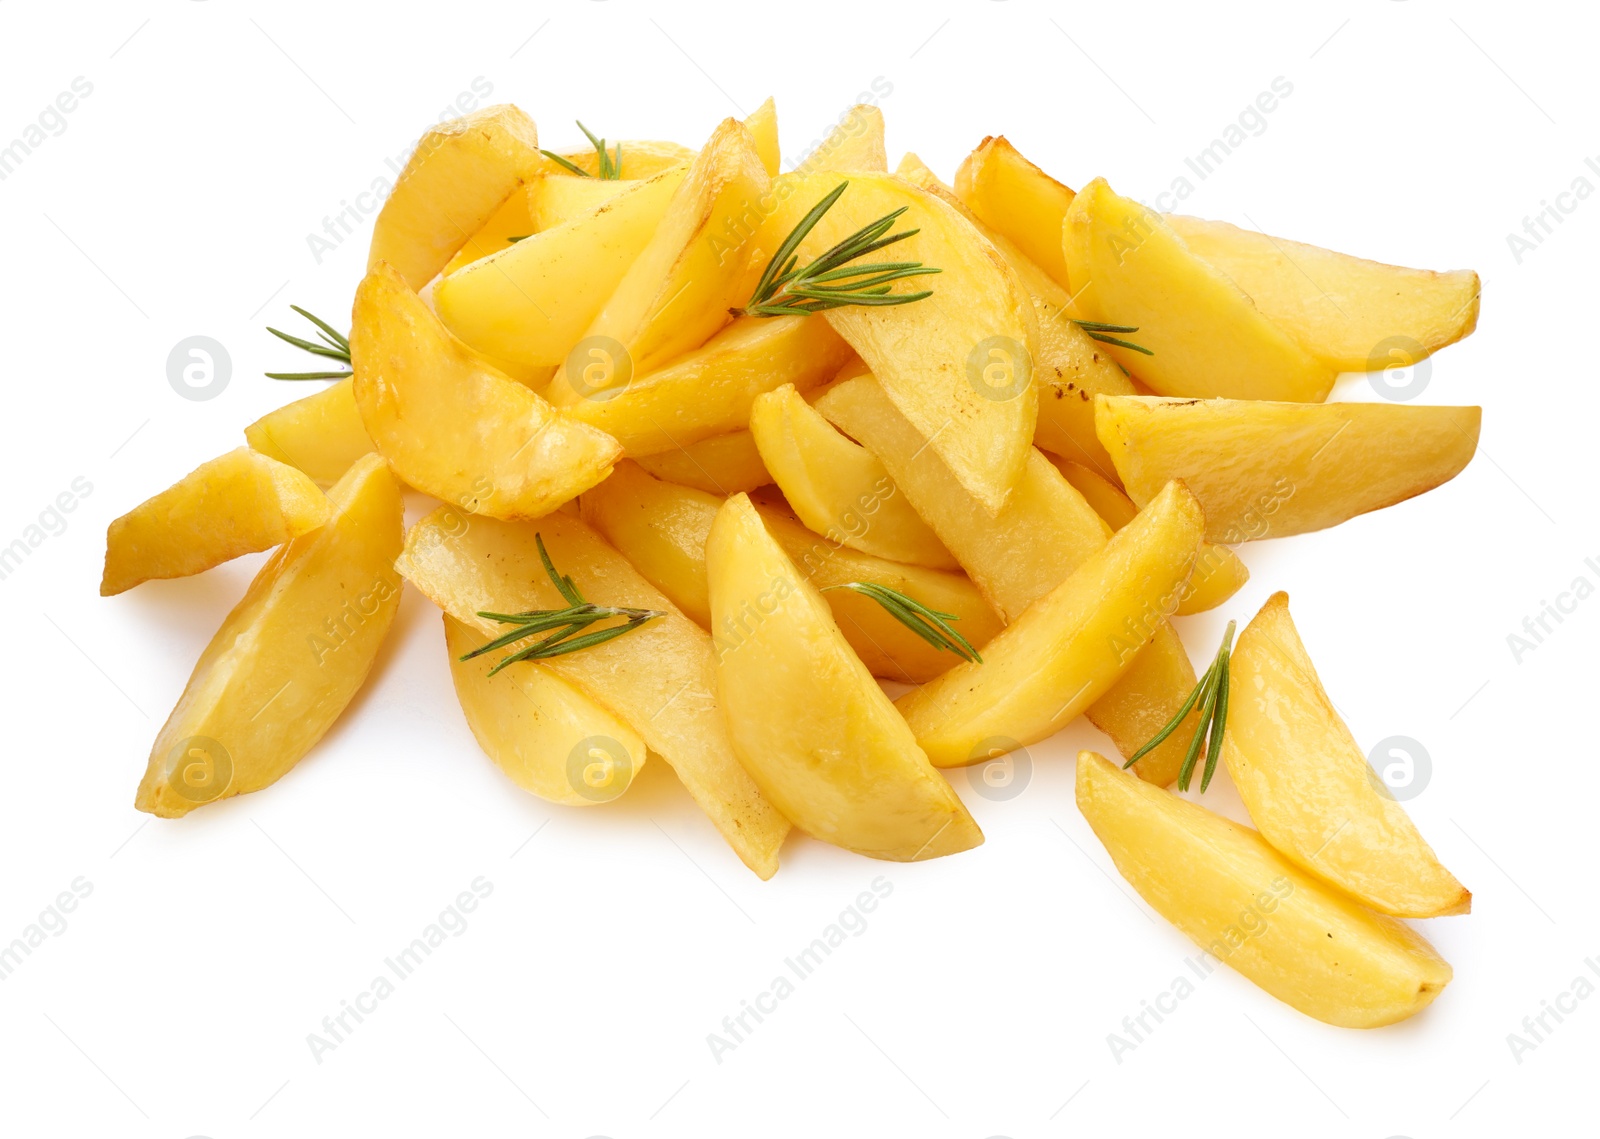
(610, 167)
(334, 346)
(830, 281)
(1212, 695)
(1098, 331)
(561, 624)
(929, 624)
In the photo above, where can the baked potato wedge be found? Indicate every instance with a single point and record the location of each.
(812, 726)
(238, 503)
(321, 434)
(837, 487)
(1308, 786)
(1314, 948)
(459, 175)
(662, 529)
(1218, 571)
(513, 221)
(1071, 368)
(531, 301)
(701, 261)
(1268, 470)
(721, 465)
(546, 735)
(956, 364)
(1206, 338)
(1045, 531)
(1067, 648)
(711, 390)
(1015, 198)
(658, 679)
(555, 199)
(762, 123)
(451, 425)
(1343, 310)
(289, 658)
(855, 144)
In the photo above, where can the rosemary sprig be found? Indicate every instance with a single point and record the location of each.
(561, 625)
(929, 624)
(610, 167)
(334, 346)
(786, 289)
(1099, 331)
(1211, 693)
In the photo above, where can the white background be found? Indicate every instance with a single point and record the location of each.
(977, 1002)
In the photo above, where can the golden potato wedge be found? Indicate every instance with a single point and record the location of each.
(1268, 470)
(812, 726)
(555, 199)
(1045, 532)
(662, 528)
(657, 679)
(452, 426)
(762, 123)
(1017, 199)
(854, 144)
(1071, 368)
(532, 301)
(1247, 906)
(512, 221)
(1308, 786)
(837, 487)
(534, 377)
(700, 262)
(1345, 311)
(958, 363)
(457, 177)
(1145, 698)
(1218, 572)
(1067, 648)
(546, 735)
(238, 503)
(289, 658)
(1126, 266)
(321, 434)
(711, 390)
(641, 157)
(721, 465)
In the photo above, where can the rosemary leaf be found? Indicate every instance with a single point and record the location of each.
(578, 170)
(927, 623)
(334, 346)
(610, 165)
(1211, 693)
(563, 627)
(1098, 330)
(830, 280)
